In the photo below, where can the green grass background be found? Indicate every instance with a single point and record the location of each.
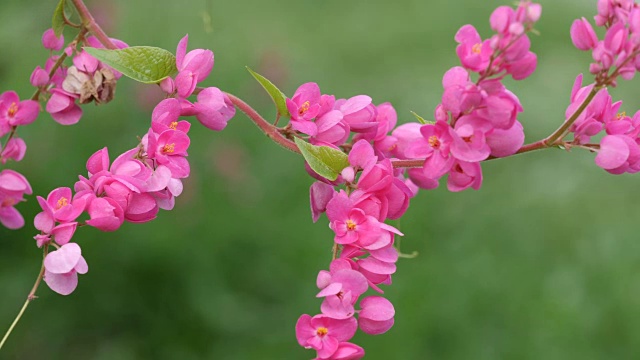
(541, 263)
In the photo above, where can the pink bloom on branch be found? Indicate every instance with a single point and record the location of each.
(105, 213)
(474, 54)
(16, 112)
(435, 147)
(14, 150)
(303, 107)
(51, 41)
(13, 187)
(376, 316)
(64, 208)
(346, 351)
(63, 108)
(62, 268)
(319, 196)
(170, 149)
(360, 114)
(39, 77)
(323, 333)
(464, 175)
(214, 108)
(199, 61)
(583, 35)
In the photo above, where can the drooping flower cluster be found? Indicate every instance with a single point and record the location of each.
(132, 188)
(620, 48)
(367, 253)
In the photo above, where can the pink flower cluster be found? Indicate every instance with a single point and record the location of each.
(476, 119)
(620, 48)
(617, 55)
(13, 185)
(330, 122)
(132, 188)
(86, 80)
(367, 257)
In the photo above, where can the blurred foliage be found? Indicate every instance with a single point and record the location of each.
(538, 264)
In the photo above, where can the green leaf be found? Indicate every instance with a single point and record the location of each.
(275, 93)
(421, 119)
(57, 22)
(145, 64)
(327, 162)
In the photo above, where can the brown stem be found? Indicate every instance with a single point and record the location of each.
(266, 127)
(90, 23)
(32, 296)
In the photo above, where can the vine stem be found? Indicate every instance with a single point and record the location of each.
(266, 127)
(32, 296)
(90, 23)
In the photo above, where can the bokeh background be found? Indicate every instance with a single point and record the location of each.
(541, 263)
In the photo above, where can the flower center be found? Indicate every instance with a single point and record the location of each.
(13, 109)
(303, 109)
(8, 202)
(351, 225)
(173, 125)
(434, 142)
(322, 331)
(62, 202)
(477, 48)
(621, 115)
(169, 148)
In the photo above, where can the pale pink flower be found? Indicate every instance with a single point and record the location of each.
(62, 267)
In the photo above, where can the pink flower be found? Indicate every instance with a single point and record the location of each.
(360, 114)
(16, 112)
(435, 147)
(63, 108)
(303, 107)
(39, 77)
(170, 149)
(464, 175)
(13, 187)
(62, 268)
(341, 288)
(376, 316)
(469, 141)
(14, 149)
(506, 142)
(319, 196)
(583, 35)
(166, 115)
(64, 208)
(323, 333)
(51, 42)
(105, 214)
(474, 54)
(214, 108)
(346, 351)
(614, 151)
(193, 67)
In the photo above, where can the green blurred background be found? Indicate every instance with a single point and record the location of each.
(541, 263)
